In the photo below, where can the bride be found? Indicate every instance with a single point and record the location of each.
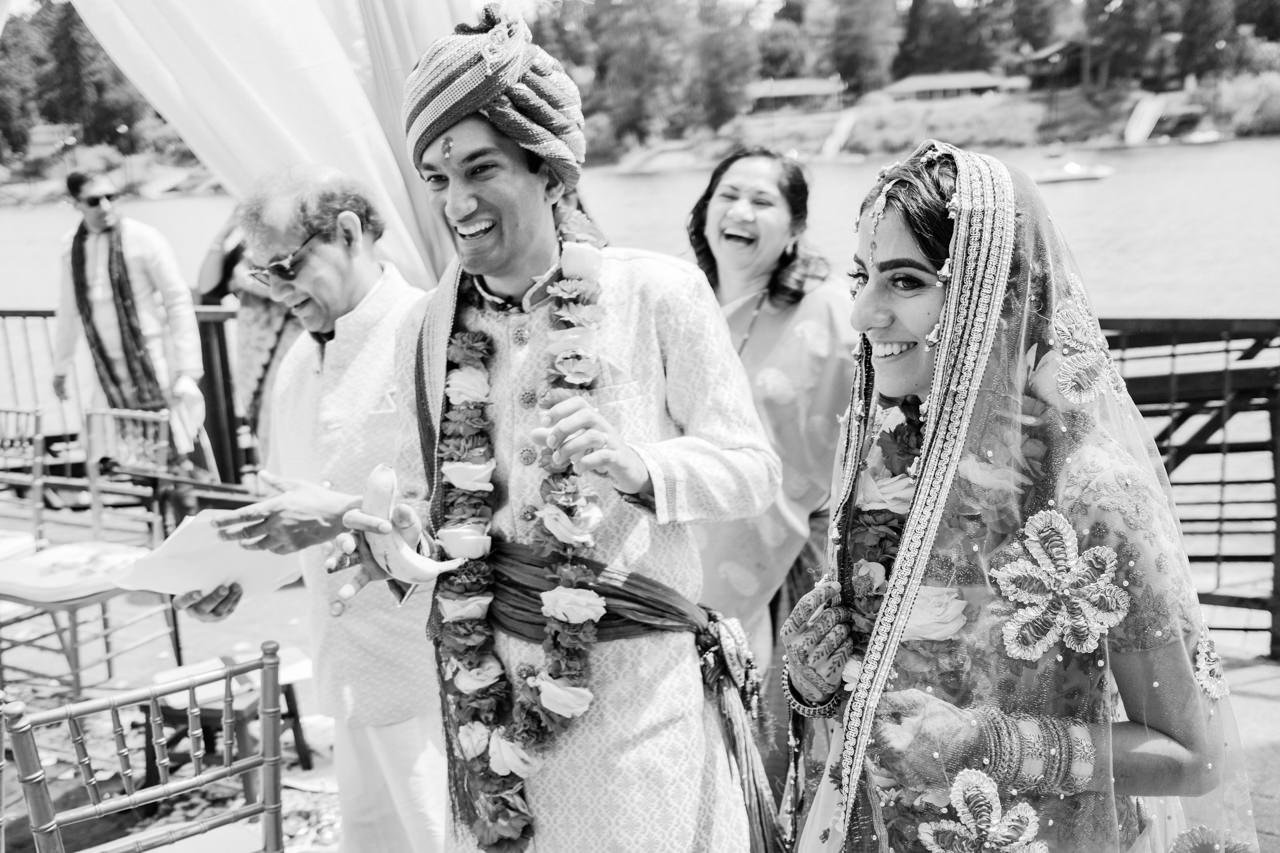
(1008, 654)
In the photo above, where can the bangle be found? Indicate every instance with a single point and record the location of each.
(1000, 743)
(797, 704)
(1034, 751)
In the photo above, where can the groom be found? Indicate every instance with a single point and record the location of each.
(576, 410)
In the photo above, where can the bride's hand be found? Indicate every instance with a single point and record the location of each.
(819, 642)
(922, 740)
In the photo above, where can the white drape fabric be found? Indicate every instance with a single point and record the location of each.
(253, 87)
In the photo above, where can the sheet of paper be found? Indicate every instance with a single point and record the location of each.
(193, 557)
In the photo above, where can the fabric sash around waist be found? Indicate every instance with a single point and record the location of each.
(633, 608)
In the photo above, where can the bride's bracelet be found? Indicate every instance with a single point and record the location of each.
(1047, 754)
(797, 704)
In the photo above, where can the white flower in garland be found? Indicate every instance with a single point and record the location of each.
(573, 605)
(506, 757)
(466, 385)
(464, 541)
(574, 530)
(473, 739)
(560, 697)
(469, 476)
(470, 680)
(470, 607)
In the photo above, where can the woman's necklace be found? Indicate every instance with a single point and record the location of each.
(751, 323)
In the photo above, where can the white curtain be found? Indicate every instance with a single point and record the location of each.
(255, 86)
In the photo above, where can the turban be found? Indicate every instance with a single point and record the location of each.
(494, 69)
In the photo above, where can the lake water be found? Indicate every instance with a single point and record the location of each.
(1175, 231)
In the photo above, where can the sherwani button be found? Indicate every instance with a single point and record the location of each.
(520, 336)
(528, 455)
(528, 398)
(529, 513)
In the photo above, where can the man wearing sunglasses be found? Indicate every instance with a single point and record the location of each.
(123, 294)
(310, 236)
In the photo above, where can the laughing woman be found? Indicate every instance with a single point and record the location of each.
(1008, 654)
(789, 325)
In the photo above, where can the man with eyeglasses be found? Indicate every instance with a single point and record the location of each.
(122, 292)
(310, 236)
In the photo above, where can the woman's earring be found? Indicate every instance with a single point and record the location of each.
(935, 335)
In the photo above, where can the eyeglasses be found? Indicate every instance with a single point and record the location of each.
(285, 269)
(97, 200)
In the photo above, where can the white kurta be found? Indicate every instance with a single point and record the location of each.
(645, 768)
(163, 300)
(334, 415)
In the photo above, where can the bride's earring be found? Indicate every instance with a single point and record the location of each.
(935, 335)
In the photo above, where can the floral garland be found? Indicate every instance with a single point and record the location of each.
(874, 528)
(500, 728)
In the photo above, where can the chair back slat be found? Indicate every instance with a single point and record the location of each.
(47, 822)
(159, 744)
(195, 730)
(83, 763)
(272, 762)
(122, 750)
(228, 723)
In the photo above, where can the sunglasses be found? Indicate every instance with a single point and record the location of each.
(285, 269)
(97, 200)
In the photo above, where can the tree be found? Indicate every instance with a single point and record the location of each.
(1120, 36)
(866, 39)
(782, 50)
(940, 37)
(1035, 21)
(1264, 15)
(81, 85)
(21, 53)
(1208, 26)
(725, 59)
(819, 29)
(641, 50)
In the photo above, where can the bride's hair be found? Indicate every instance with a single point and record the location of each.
(921, 187)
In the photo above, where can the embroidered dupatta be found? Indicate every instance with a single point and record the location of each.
(1043, 508)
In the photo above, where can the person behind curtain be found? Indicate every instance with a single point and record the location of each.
(790, 328)
(577, 408)
(1008, 653)
(264, 328)
(311, 235)
(122, 293)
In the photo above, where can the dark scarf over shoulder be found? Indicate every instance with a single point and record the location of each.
(145, 392)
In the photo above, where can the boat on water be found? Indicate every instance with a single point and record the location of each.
(1073, 171)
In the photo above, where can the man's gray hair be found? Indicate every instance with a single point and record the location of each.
(309, 197)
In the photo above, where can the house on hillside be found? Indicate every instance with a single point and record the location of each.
(803, 93)
(951, 84)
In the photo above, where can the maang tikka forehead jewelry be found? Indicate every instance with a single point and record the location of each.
(448, 147)
(877, 214)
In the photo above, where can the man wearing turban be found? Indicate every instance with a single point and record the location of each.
(577, 409)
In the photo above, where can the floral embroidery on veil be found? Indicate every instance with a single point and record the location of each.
(1062, 595)
(983, 823)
